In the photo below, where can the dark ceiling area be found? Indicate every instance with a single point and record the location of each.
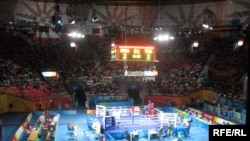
(148, 2)
(131, 2)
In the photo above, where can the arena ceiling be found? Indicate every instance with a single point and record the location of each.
(132, 2)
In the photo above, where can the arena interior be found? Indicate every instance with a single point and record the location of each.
(124, 70)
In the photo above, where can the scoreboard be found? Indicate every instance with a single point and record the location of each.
(133, 53)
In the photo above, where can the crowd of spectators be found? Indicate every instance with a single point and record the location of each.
(227, 68)
(180, 70)
(21, 70)
(179, 67)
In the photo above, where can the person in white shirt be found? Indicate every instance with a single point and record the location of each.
(161, 117)
(117, 116)
(87, 104)
(133, 134)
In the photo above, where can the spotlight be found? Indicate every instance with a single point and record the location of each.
(76, 35)
(72, 44)
(205, 25)
(240, 43)
(195, 44)
(94, 19)
(164, 37)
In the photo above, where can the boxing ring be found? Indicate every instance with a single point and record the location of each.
(146, 118)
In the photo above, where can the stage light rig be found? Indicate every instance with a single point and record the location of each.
(56, 18)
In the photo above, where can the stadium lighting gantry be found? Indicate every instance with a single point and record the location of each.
(76, 35)
(163, 37)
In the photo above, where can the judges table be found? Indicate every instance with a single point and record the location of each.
(33, 136)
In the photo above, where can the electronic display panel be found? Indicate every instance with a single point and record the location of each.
(133, 53)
